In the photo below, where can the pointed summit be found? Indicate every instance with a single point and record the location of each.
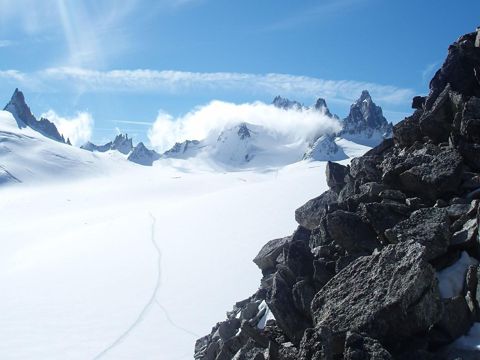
(321, 105)
(143, 156)
(365, 123)
(20, 110)
(365, 96)
(24, 117)
(122, 143)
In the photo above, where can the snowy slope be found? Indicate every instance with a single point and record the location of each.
(87, 268)
(28, 156)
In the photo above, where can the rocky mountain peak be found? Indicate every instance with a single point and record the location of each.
(143, 156)
(122, 143)
(321, 105)
(20, 110)
(366, 120)
(286, 104)
(18, 107)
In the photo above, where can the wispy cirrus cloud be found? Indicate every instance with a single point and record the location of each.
(323, 9)
(181, 82)
(6, 43)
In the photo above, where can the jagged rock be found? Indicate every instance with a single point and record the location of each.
(122, 143)
(407, 132)
(458, 70)
(429, 227)
(303, 293)
(428, 176)
(365, 168)
(383, 216)
(266, 258)
(143, 156)
(390, 296)
(316, 345)
(418, 102)
(336, 176)
(348, 231)
(358, 347)
(466, 237)
(310, 214)
(280, 302)
(298, 258)
(455, 322)
(437, 122)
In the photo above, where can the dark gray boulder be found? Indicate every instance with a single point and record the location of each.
(336, 176)
(317, 344)
(348, 231)
(435, 176)
(455, 322)
(429, 227)
(389, 296)
(280, 302)
(267, 256)
(358, 347)
(383, 216)
(310, 214)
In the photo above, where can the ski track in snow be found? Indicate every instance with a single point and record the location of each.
(149, 303)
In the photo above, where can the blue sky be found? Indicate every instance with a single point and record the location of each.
(121, 62)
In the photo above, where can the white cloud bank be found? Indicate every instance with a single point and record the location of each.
(77, 128)
(209, 120)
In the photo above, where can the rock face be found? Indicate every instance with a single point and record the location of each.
(183, 150)
(122, 143)
(143, 156)
(24, 117)
(365, 122)
(375, 271)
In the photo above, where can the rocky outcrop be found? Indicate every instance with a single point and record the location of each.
(143, 156)
(380, 266)
(24, 117)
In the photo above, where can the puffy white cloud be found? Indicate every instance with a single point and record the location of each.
(77, 128)
(209, 120)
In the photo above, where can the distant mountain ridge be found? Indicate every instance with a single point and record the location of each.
(139, 154)
(239, 145)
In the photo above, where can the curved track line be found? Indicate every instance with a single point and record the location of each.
(149, 303)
